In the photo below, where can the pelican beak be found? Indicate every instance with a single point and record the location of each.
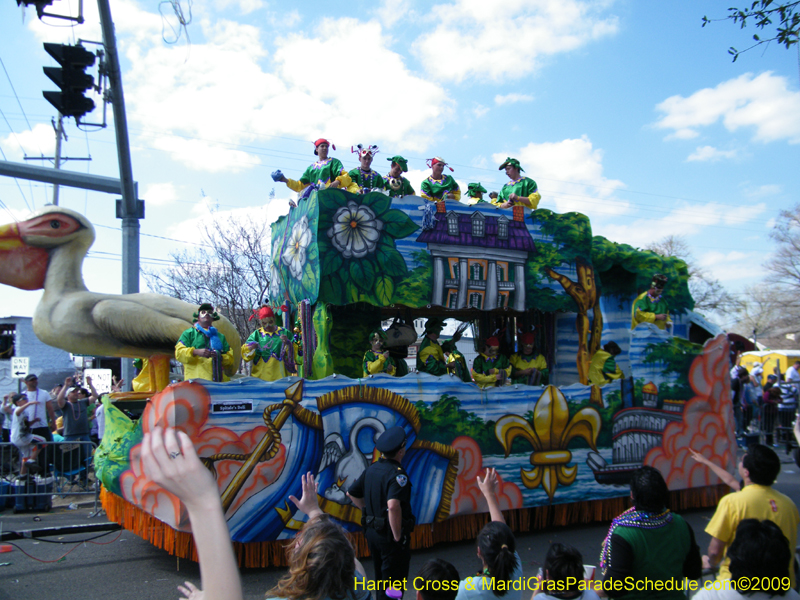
(21, 266)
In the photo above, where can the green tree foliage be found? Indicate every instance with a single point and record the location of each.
(352, 325)
(677, 357)
(781, 21)
(623, 269)
(414, 289)
(444, 420)
(571, 236)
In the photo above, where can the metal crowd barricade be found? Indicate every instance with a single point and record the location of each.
(62, 469)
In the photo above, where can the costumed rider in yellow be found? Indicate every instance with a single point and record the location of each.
(650, 307)
(430, 357)
(202, 349)
(363, 178)
(394, 182)
(439, 187)
(520, 191)
(325, 173)
(528, 367)
(376, 360)
(603, 368)
(269, 347)
(141, 383)
(490, 368)
(475, 192)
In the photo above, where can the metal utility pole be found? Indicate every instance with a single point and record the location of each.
(129, 209)
(59, 132)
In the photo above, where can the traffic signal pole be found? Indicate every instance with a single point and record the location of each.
(129, 209)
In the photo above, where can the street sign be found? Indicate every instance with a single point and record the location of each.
(19, 367)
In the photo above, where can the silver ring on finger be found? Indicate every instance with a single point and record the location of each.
(175, 454)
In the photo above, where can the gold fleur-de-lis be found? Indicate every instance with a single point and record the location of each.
(549, 436)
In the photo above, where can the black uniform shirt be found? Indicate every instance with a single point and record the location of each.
(383, 481)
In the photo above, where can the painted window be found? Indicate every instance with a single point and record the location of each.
(476, 271)
(452, 224)
(452, 299)
(502, 228)
(478, 226)
(475, 300)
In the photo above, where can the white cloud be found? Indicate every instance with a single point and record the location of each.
(245, 6)
(761, 191)
(189, 229)
(475, 38)
(160, 194)
(512, 98)
(389, 12)
(730, 266)
(709, 153)
(479, 110)
(570, 177)
(764, 103)
(41, 140)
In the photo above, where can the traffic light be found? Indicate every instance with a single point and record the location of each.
(71, 78)
(39, 4)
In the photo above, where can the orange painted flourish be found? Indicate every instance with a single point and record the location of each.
(467, 497)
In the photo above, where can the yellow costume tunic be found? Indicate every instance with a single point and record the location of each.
(198, 367)
(141, 383)
(483, 366)
(377, 363)
(603, 368)
(645, 310)
(521, 362)
(267, 364)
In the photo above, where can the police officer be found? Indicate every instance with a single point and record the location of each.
(383, 493)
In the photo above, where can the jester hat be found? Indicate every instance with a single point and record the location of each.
(510, 162)
(400, 161)
(474, 188)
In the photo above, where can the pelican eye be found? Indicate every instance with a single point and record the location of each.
(55, 224)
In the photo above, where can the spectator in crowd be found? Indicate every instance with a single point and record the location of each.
(649, 542)
(322, 562)
(563, 575)
(771, 398)
(501, 566)
(758, 468)
(7, 410)
(74, 404)
(45, 413)
(760, 552)
(737, 394)
(22, 435)
(437, 580)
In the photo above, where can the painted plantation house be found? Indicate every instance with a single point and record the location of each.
(478, 260)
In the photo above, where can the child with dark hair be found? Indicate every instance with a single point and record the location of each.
(563, 576)
(436, 580)
(501, 575)
(760, 552)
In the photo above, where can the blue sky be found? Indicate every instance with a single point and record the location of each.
(627, 111)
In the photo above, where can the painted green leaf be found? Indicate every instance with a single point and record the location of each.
(329, 201)
(379, 203)
(384, 289)
(352, 293)
(392, 263)
(309, 282)
(362, 272)
(331, 262)
(331, 290)
(398, 224)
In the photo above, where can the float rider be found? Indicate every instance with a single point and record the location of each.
(430, 356)
(364, 179)
(394, 182)
(269, 347)
(604, 369)
(376, 359)
(475, 192)
(462, 370)
(650, 306)
(439, 187)
(326, 172)
(519, 191)
(203, 350)
(490, 368)
(528, 367)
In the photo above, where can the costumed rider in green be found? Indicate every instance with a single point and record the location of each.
(376, 360)
(202, 349)
(650, 307)
(439, 187)
(364, 179)
(528, 366)
(490, 368)
(604, 369)
(326, 172)
(475, 192)
(520, 191)
(430, 357)
(394, 182)
(269, 347)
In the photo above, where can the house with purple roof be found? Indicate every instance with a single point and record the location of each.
(478, 260)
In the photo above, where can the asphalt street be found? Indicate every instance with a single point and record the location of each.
(122, 566)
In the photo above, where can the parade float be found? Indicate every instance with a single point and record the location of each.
(345, 263)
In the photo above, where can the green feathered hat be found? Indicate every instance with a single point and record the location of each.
(474, 188)
(380, 333)
(434, 325)
(510, 162)
(205, 306)
(400, 161)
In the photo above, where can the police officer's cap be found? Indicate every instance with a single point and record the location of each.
(391, 440)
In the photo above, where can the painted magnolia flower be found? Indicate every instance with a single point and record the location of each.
(274, 283)
(294, 256)
(355, 231)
